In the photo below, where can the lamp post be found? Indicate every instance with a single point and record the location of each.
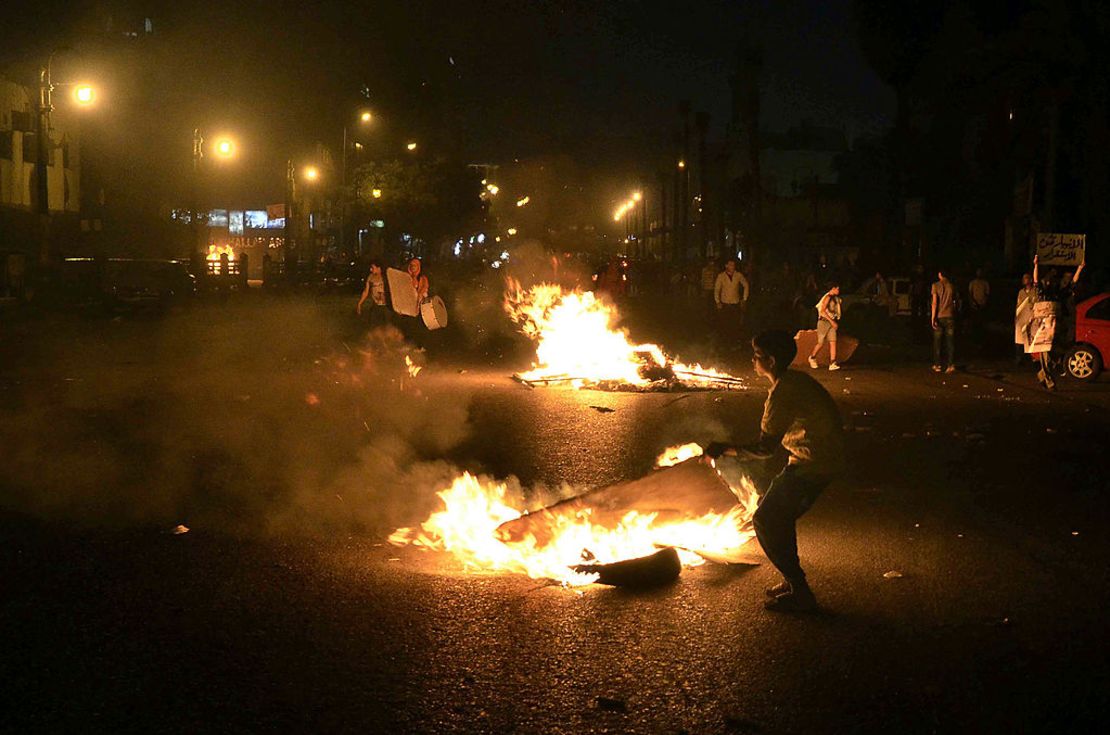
(224, 148)
(84, 95)
(365, 118)
(310, 173)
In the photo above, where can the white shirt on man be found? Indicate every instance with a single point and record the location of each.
(727, 288)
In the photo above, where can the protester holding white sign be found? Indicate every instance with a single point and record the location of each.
(1051, 293)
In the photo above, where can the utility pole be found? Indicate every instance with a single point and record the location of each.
(198, 154)
(343, 195)
(42, 162)
(290, 248)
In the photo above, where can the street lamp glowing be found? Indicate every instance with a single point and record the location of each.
(492, 189)
(311, 173)
(84, 94)
(637, 197)
(511, 231)
(523, 201)
(411, 146)
(682, 164)
(376, 193)
(366, 116)
(225, 148)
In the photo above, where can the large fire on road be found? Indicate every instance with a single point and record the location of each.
(471, 527)
(577, 345)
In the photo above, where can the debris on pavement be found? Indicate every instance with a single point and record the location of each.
(893, 574)
(180, 529)
(653, 570)
(611, 705)
(603, 409)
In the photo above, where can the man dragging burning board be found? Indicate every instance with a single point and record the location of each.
(802, 417)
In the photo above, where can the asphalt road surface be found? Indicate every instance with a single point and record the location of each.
(986, 496)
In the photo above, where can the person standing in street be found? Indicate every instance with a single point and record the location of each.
(800, 416)
(729, 302)
(979, 293)
(828, 319)
(1026, 296)
(374, 292)
(943, 319)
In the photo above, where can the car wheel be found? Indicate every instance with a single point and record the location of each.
(1083, 362)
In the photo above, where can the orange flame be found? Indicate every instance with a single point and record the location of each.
(576, 342)
(215, 251)
(473, 509)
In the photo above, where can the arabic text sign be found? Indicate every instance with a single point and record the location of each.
(1056, 248)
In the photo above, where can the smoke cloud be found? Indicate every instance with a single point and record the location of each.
(282, 416)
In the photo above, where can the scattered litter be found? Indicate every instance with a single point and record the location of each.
(965, 385)
(602, 409)
(312, 399)
(999, 389)
(611, 705)
(892, 574)
(676, 400)
(366, 426)
(847, 391)
(462, 372)
(394, 558)
(917, 525)
(180, 529)
(848, 379)
(243, 398)
(1050, 430)
(718, 399)
(959, 535)
(1075, 533)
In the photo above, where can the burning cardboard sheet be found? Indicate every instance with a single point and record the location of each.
(687, 508)
(685, 491)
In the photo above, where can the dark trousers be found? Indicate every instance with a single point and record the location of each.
(730, 324)
(946, 327)
(788, 498)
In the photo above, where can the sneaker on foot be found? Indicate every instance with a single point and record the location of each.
(778, 590)
(798, 601)
(950, 369)
(813, 362)
(834, 366)
(936, 368)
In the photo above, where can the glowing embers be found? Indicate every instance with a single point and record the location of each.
(576, 345)
(687, 507)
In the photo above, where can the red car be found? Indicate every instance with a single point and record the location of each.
(1088, 356)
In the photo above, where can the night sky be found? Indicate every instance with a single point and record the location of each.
(490, 81)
